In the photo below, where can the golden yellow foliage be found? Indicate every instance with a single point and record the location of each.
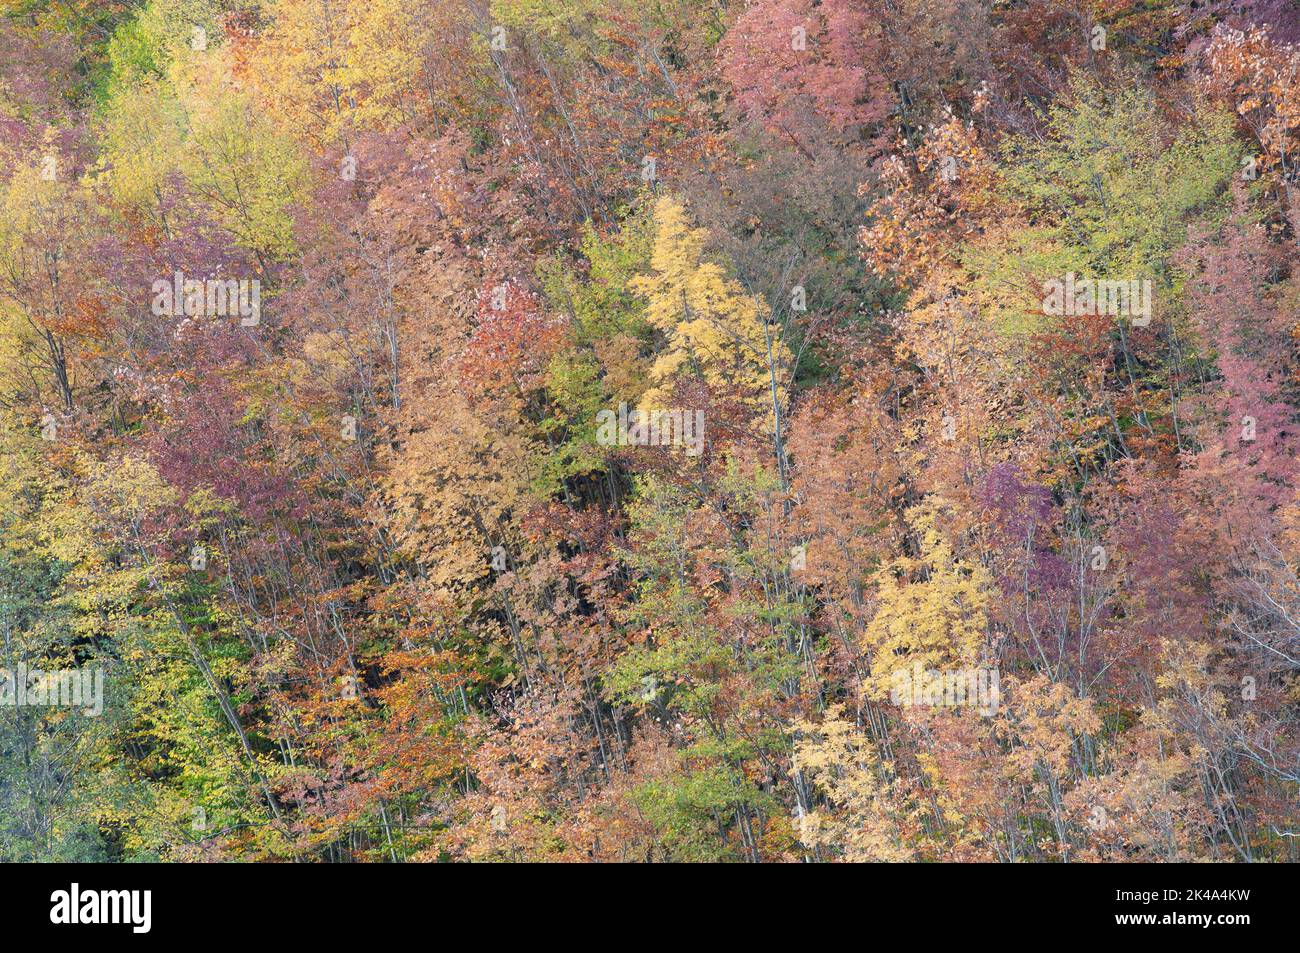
(711, 325)
(933, 608)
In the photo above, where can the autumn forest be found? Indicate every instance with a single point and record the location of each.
(740, 431)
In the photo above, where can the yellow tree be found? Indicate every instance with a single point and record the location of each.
(245, 171)
(330, 68)
(710, 324)
(143, 139)
(866, 819)
(933, 608)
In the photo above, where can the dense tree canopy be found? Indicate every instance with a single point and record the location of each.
(769, 430)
